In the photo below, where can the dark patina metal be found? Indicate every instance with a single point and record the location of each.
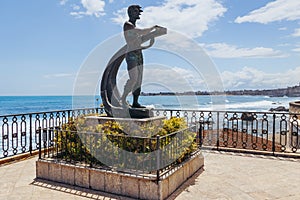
(115, 104)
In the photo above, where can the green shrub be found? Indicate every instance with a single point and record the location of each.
(107, 141)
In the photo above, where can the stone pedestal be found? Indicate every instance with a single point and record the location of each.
(145, 127)
(134, 186)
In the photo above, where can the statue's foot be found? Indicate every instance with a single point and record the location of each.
(137, 105)
(124, 104)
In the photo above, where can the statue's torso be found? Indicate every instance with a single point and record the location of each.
(133, 39)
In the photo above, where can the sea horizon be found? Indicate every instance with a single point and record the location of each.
(44, 103)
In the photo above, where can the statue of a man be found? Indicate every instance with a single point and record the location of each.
(134, 56)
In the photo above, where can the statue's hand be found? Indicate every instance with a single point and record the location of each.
(151, 42)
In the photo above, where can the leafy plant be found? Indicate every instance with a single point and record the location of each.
(80, 142)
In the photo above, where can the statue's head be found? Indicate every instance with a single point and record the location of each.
(134, 11)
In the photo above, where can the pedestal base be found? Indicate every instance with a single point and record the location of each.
(145, 127)
(135, 186)
(137, 113)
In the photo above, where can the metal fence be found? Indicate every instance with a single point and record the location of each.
(19, 133)
(147, 157)
(274, 132)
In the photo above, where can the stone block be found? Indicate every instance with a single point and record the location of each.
(55, 172)
(97, 180)
(68, 174)
(164, 188)
(130, 186)
(197, 163)
(186, 170)
(82, 177)
(113, 183)
(42, 170)
(176, 179)
(149, 189)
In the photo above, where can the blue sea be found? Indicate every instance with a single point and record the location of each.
(28, 104)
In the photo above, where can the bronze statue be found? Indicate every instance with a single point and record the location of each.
(114, 104)
(134, 56)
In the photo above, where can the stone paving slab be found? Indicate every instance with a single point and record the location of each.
(229, 176)
(225, 176)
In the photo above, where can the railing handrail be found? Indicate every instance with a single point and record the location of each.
(228, 111)
(43, 112)
(15, 140)
(159, 109)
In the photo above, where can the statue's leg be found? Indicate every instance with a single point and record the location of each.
(136, 95)
(131, 82)
(137, 88)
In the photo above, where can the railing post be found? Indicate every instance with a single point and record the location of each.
(40, 142)
(157, 157)
(200, 135)
(69, 115)
(30, 134)
(56, 141)
(273, 136)
(218, 130)
(45, 138)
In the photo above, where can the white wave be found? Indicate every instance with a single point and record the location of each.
(152, 106)
(249, 105)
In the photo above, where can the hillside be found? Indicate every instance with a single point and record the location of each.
(293, 91)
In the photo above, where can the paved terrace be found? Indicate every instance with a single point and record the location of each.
(225, 176)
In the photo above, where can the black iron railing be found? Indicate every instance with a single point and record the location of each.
(275, 132)
(148, 157)
(256, 131)
(19, 133)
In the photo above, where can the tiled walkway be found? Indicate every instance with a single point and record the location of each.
(225, 176)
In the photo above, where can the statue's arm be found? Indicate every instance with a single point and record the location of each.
(150, 44)
(145, 30)
(136, 36)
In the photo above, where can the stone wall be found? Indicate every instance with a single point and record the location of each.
(119, 183)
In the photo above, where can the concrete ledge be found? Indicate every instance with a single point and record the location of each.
(144, 127)
(18, 157)
(119, 183)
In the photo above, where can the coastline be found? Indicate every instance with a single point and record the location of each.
(293, 91)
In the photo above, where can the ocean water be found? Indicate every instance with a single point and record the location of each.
(27, 104)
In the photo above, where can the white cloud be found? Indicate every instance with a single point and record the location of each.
(296, 33)
(274, 11)
(296, 49)
(190, 17)
(59, 75)
(250, 78)
(282, 28)
(90, 8)
(63, 2)
(223, 50)
(75, 7)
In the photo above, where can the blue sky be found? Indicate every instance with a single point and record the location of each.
(253, 43)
